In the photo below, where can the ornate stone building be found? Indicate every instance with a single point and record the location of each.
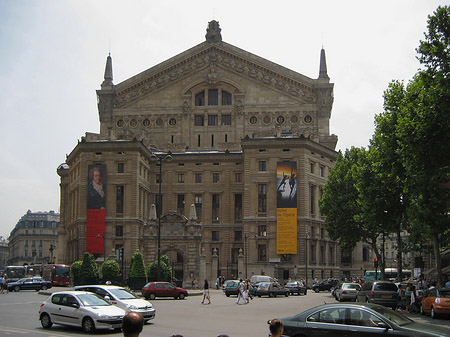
(33, 240)
(227, 117)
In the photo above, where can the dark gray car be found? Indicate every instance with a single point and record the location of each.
(378, 292)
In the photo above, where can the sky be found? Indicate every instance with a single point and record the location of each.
(53, 55)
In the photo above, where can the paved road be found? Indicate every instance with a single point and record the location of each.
(190, 318)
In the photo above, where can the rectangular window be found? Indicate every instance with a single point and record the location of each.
(238, 207)
(199, 120)
(262, 198)
(180, 203)
(322, 254)
(215, 207)
(198, 205)
(181, 178)
(119, 199)
(238, 177)
(322, 171)
(120, 167)
(312, 253)
(237, 235)
(262, 256)
(311, 166)
(158, 178)
(215, 177)
(213, 97)
(212, 140)
(226, 119)
(215, 235)
(331, 256)
(198, 178)
(119, 230)
(262, 230)
(261, 166)
(200, 99)
(226, 98)
(312, 199)
(213, 120)
(198, 141)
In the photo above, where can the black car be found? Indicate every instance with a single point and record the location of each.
(336, 319)
(296, 287)
(31, 283)
(324, 285)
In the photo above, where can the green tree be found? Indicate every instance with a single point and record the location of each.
(424, 135)
(89, 267)
(75, 268)
(137, 268)
(110, 270)
(382, 194)
(166, 270)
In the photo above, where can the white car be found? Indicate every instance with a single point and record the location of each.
(123, 298)
(81, 309)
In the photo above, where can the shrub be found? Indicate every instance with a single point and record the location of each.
(110, 270)
(137, 268)
(89, 267)
(75, 268)
(166, 270)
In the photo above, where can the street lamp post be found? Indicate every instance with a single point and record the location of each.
(159, 158)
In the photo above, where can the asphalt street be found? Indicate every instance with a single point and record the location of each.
(189, 318)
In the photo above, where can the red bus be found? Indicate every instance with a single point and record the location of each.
(57, 274)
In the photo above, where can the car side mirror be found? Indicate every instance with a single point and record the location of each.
(107, 299)
(75, 305)
(383, 325)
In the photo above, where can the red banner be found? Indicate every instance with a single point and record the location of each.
(95, 213)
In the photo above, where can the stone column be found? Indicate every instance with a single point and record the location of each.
(241, 271)
(214, 267)
(202, 269)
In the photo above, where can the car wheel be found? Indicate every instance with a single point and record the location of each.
(88, 325)
(46, 322)
(228, 295)
(16, 288)
(152, 296)
(44, 288)
(286, 294)
(271, 294)
(181, 296)
(316, 290)
(433, 313)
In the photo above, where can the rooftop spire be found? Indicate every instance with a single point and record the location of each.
(108, 82)
(213, 32)
(323, 66)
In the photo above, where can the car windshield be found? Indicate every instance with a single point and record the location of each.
(444, 293)
(291, 284)
(91, 300)
(351, 286)
(122, 294)
(392, 315)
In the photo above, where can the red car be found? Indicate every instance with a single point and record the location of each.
(436, 302)
(163, 289)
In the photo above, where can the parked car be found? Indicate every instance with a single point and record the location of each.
(378, 292)
(123, 298)
(271, 289)
(350, 319)
(163, 289)
(436, 302)
(257, 279)
(82, 309)
(224, 285)
(30, 283)
(347, 292)
(324, 285)
(232, 288)
(296, 287)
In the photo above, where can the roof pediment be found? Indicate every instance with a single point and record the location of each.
(218, 54)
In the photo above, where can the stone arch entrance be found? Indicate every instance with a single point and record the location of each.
(176, 257)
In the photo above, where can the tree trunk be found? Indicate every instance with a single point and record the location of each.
(399, 255)
(437, 256)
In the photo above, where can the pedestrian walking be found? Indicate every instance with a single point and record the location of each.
(206, 292)
(276, 327)
(241, 290)
(2, 283)
(247, 293)
(5, 284)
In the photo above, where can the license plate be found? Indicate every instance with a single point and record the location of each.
(116, 326)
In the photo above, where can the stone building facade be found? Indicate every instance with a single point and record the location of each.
(227, 117)
(34, 239)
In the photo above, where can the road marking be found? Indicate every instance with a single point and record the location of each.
(14, 331)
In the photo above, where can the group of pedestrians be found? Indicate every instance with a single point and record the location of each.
(244, 291)
(3, 284)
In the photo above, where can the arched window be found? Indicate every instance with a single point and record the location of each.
(200, 99)
(226, 98)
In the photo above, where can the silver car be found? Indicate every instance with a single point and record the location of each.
(347, 292)
(123, 298)
(81, 309)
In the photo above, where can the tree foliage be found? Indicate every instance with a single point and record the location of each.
(137, 268)
(166, 271)
(89, 267)
(75, 268)
(110, 270)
